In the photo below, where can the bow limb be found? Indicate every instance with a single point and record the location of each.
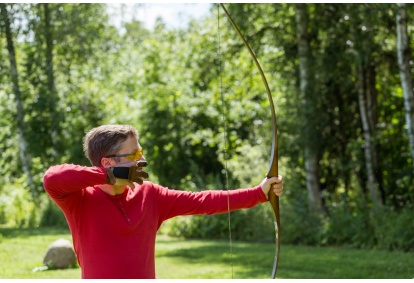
(273, 166)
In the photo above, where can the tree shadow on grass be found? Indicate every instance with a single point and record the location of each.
(251, 260)
(255, 260)
(29, 232)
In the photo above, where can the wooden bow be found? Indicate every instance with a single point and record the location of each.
(273, 166)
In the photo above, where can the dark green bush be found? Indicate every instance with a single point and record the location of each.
(246, 225)
(52, 216)
(394, 230)
(299, 225)
(348, 227)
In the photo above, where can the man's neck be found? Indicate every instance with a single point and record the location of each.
(112, 190)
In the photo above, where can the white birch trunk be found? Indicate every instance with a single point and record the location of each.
(367, 101)
(403, 50)
(23, 152)
(53, 98)
(311, 157)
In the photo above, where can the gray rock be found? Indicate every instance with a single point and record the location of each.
(60, 255)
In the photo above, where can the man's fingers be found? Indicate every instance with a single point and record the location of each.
(275, 180)
(141, 174)
(278, 186)
(278, 179)
(136, 173)
(278, 192)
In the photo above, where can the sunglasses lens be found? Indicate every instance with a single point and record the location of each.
(135, 155)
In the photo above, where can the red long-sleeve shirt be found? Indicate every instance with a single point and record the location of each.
(114, 236)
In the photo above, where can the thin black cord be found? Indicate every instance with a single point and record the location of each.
(225, 138)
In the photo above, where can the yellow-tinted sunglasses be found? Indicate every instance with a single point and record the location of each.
(134, 155)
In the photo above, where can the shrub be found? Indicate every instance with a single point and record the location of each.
(16, 206)
(18, 209)
(52, 216)
(255, 224)
(350, 227)
(394, 230)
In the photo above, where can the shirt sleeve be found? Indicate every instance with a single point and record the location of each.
(174, 202)
(66, 180)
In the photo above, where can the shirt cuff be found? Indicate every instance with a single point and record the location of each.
(262, 197)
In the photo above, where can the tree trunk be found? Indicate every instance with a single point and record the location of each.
(404, 58)
(367, 97)
(308, 110)
(367, 108)
(23, 151)
(53, 99)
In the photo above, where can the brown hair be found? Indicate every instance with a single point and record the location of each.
(106, 140)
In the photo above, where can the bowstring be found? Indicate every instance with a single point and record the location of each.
(224, 137)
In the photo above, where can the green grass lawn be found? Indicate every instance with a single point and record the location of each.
(21, 250)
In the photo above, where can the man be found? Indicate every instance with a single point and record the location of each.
(114, 216)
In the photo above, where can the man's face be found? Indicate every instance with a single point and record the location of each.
(127, 156)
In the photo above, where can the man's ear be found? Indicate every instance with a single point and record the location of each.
(106, 162)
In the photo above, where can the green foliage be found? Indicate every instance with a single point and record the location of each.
(394, 229)
(299, 225)
(16, 206)
(8, 140)
(350, 228)
(217, 226)
(203, 227)
(52, 216)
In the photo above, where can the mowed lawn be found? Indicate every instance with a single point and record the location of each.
(21, 250)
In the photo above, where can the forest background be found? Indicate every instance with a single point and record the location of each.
(341, 76)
